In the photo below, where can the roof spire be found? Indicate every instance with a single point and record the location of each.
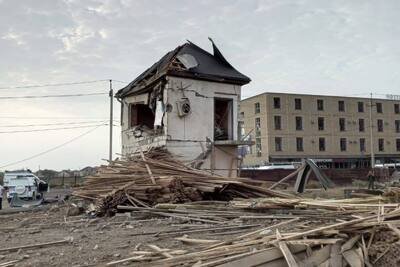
(218, 55)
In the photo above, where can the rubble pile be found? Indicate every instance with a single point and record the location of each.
(222, 221)
(350, 232)
(158, 177)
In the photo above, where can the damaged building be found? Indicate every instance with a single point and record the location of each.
(186, 102)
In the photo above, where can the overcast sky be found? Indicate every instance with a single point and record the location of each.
(307, 46)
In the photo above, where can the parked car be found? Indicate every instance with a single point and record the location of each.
(24, 184)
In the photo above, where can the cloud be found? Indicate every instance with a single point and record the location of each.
(309, 46)
(14, 37)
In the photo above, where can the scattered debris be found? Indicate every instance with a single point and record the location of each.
(40, 245)
(130, 182)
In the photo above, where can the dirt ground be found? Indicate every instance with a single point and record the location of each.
(94, 241)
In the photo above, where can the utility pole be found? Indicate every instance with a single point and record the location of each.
(111, 94)
(371, 132)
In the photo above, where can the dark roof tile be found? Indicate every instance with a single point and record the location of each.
(209, 67)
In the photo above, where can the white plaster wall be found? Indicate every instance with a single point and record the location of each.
(185, 136)
(199, 124)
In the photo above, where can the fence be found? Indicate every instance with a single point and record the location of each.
(72, 181)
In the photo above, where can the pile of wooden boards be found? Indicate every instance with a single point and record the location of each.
(361, 233)
(392, 193)
(157, 177)
(357, 204)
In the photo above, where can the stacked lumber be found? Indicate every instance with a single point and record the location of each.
(392, 193)
(356, 204)
(158, 177)
(365, 238)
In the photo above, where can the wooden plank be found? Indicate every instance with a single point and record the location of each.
(118, 262)
(353, 258)
(394, 229)
(147, 166)
(291, 175)
(350, 243)
(193, 241)
(39, 245)
(261, 257)
(317, 257)
(286, 251)
(336, 259)
(162, 252)
(329, 227)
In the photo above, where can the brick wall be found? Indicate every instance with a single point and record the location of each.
(338, 176)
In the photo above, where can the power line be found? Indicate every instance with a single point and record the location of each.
(51, 149)
(51, 129)
(55, 118)
(120, 81)
(51, 85)
(49, 96)
(47, 124)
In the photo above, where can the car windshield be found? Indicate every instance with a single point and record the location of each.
(20, 180)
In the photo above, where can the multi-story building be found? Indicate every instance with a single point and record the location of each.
(334, 130)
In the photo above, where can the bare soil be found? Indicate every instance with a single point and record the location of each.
(96, 241)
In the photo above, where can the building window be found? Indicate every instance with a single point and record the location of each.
(321, 124)
(277, 102)
(223, 119)
(379, 108)
(397, 126)
(241, 115)
(380, 125)
(341, 105)
(258, 126)
(141, 114)
(342, 124)
(321, 143)
(398, 144)
(297, 103)
(258, 147)
(257, 108)
(361, 125)
(343, 144)
(397, 108)
(381, 144)
(362, 144)
(299, 123)
(241, 130)
(278, 143)
(360, 106)
(278, 122)
(320, 104)
(299, 144)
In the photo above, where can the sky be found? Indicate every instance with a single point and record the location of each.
(333, 47)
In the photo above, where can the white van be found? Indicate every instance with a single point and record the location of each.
(24, 184)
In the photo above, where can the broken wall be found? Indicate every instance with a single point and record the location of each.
(187, 135)
(188, 121)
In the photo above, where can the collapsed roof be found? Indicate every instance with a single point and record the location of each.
(187, 60)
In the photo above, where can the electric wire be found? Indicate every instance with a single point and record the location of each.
(55, 118)
(50, 96)
(48, 124)
(51, 149)
(120, 81)
(51, 84)
(51, 129)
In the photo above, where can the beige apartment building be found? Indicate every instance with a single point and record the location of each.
(333, 130)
